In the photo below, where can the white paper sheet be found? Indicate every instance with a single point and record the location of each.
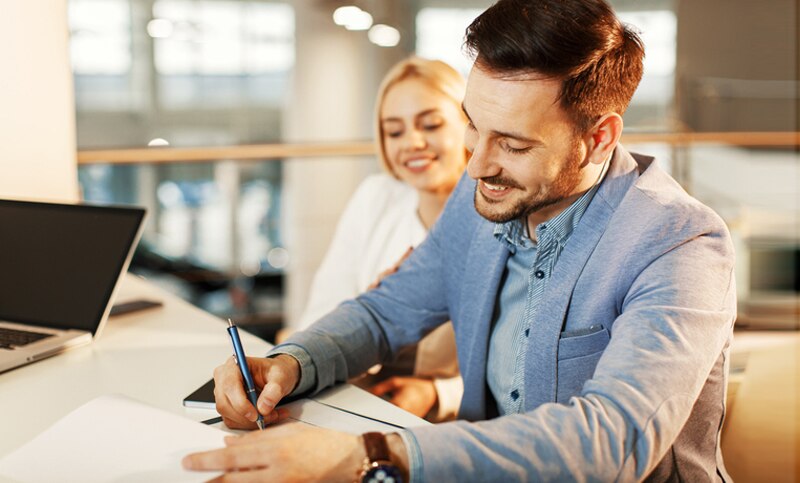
(350, 398)
(117, 439)
(113, 439)
(311, 412)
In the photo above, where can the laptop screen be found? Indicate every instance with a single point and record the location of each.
(59, 263)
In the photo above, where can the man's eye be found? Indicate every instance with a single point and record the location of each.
(394, 134)
(513, 150)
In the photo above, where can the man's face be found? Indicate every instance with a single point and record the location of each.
(526, 155)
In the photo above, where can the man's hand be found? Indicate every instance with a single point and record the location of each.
(414, 394)
(274, 378)
(285, 452)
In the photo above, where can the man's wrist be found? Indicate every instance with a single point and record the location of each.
(294, 368)
(292, 362)
(382, 456)
(307, 375)
(398, 453)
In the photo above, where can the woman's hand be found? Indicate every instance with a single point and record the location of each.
(414, 394)
(391, 269)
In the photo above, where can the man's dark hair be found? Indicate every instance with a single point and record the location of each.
(581, 42)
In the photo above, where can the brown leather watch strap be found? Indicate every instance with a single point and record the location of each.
(375, 444)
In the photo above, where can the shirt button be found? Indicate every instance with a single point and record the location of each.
(514, 394)
(527, 332)
(539, 274)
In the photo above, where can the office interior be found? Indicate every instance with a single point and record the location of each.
(245, 125)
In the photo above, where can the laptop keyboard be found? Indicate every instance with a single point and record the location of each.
(10, 338)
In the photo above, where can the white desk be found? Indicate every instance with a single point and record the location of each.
(157, 356)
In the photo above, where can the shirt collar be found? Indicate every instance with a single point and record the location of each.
(514, 234)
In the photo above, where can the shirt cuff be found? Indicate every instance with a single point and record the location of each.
(448, 391)
(308, 371)
(414, 456)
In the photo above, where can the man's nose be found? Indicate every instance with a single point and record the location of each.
(480, 165)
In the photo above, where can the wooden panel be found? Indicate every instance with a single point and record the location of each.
(272, 152)
(761, 438)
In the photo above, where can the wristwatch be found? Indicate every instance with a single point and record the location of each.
(378, 467)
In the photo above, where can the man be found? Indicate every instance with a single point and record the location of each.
(593, 300)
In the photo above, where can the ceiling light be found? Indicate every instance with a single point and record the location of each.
(159, 28)
(362, 21)
(352, 18)
(158, 142)
(384, 35)
(278, 257)
(344, 15)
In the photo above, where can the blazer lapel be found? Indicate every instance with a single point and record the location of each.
(541, 361)
(485, 264)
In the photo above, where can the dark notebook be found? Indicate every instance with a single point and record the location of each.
(202, 398)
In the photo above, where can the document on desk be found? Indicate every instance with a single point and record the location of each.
(113, 438)
(354, 400)
(311, 412)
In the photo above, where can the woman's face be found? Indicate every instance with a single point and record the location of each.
(423, 136)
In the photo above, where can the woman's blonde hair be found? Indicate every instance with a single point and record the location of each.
(437, 74)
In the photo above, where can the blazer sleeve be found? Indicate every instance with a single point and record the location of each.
(674, 325)
(406, 306)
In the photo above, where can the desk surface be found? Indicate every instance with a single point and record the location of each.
(157, 356)
(160, 355)
(761, 436)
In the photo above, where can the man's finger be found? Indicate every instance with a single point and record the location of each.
(228, 381)
(238, 423)
(270, 396)
(279, 383)
(230, 416)
(253, 476)
(234, 391)
(253, 436)
(226, 459)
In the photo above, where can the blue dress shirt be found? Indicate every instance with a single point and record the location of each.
(528, 269)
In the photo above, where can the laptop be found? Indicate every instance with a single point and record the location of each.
(60, 265)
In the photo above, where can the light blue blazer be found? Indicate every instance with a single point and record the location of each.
(626, 368)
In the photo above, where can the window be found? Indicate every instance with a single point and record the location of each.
(440, 35)
(100, 40)
(222, 37)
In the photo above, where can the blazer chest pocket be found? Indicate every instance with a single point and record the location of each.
(578, 354)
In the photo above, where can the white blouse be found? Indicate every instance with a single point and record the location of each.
(378, 225)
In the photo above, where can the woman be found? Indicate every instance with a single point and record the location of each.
(420, 135)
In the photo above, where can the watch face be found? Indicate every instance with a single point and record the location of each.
(382, 474)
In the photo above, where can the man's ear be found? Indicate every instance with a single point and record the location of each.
(603, 137)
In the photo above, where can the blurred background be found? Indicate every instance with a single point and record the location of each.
(242, 233)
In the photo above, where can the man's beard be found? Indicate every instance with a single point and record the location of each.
(567, 179)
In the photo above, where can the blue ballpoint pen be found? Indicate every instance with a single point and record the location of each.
(241, 361)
